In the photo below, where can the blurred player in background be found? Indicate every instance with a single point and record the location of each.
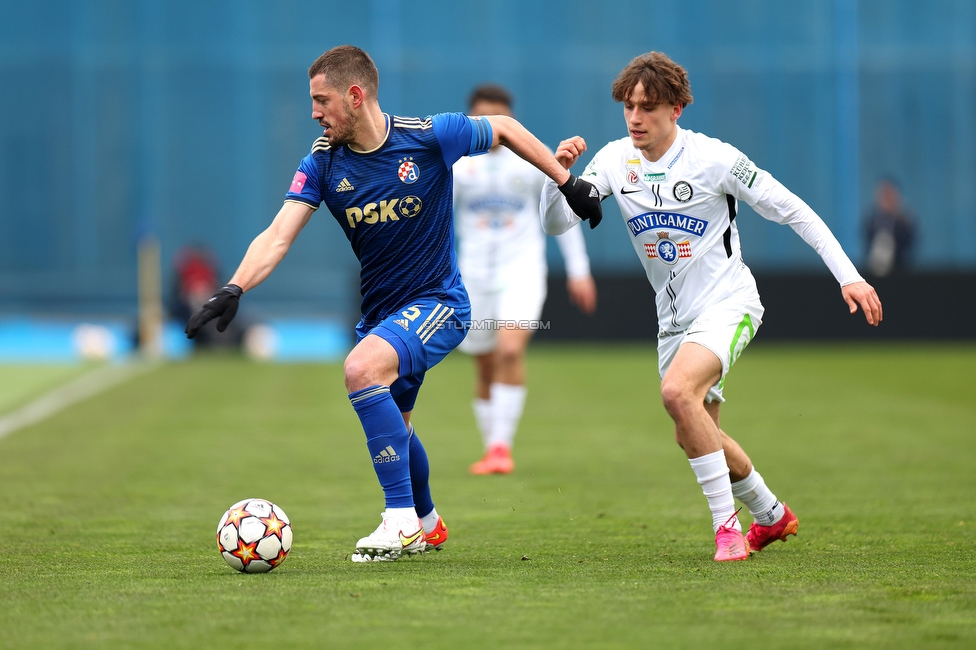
(196, 272)
(889, 230)
(387, 182)
(502, 258)
(678, 192)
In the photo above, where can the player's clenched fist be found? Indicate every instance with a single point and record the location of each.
(570, 150)
(583, 200)
(224, 304)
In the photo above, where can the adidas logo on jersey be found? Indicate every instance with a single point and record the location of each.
(402, 323)
(388, 455)
(344, 186)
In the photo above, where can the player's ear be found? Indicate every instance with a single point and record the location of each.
(676, 112)
(358, 96)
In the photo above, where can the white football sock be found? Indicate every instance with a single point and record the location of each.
(712, 472)
(430, 521)
(482, 417)
(403, 518)
(762, 503)
(507, 402)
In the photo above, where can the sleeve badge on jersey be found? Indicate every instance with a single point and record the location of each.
(298, 183)
(744, 170)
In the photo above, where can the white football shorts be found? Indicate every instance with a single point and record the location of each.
(725, 328)
(515, 304)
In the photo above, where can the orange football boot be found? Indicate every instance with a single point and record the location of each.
(437, 537)
(760, 537)
(497, 460)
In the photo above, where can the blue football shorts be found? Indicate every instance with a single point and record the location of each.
(422, 333)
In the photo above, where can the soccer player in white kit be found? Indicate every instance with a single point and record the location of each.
(502, 258)
(678, 192)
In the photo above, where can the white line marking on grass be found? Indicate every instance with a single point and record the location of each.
(78, 390)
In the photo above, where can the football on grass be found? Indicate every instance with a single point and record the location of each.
(254, 536)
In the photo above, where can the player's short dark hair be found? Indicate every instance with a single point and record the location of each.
(345, 66)
(490, 93)
(664, 81)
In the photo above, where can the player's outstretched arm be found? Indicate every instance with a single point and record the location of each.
(263, 255)
(509, 132)
(582, 197)
(863, 294)
(269, 248)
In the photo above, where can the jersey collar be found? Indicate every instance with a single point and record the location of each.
(386, 139)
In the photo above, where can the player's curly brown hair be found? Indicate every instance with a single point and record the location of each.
(664, 81)
(345, 66)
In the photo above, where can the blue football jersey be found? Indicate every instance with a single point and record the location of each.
(395, 205)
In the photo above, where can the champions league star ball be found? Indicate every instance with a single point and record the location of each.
(254, 536)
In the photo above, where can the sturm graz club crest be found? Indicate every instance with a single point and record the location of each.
(682, 191)
(408, 172)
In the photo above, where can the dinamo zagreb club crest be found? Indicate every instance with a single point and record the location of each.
(408, 172)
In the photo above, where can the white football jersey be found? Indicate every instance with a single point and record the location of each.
(680, 214)
(496, 212)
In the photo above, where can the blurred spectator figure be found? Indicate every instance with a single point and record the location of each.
(196, 280)
(889, 230)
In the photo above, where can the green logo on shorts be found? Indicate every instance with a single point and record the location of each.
(743, 334)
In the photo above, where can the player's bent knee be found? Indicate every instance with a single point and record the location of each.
(351, 375)
(359, 373)
(674, 396)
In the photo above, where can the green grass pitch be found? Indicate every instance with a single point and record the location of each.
(601, 539)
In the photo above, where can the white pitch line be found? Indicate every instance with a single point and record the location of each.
(78, 390)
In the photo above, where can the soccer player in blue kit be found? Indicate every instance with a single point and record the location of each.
(387, 181)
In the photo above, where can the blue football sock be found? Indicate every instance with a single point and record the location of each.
(419, 476)
(388, 443)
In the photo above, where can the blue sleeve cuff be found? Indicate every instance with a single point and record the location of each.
(481, 136)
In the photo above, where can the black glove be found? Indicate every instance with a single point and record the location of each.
(224, 303)
(583, 200)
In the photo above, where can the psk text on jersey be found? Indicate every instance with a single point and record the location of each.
(386, 210)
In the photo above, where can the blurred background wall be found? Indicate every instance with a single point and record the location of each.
(187, 119)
